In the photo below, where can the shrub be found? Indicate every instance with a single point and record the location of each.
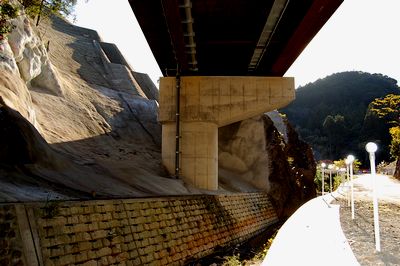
(7, 12)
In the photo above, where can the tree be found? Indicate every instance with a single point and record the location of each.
(7, 12)
(35, 8)
(388, 108)
(341, 163)
(335, 128)
(348, 94)
(395, 145)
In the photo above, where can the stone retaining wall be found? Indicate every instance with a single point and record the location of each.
(153, 231)
(11, 252)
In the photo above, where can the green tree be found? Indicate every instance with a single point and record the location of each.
(348, 94)
(388, 108)
(37, 8)
(335, 128)
(341, 163)
(7, 12)
(395, 145)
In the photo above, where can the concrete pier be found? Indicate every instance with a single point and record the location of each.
(207, 103)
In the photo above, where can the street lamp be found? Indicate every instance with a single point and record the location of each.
(348, 180)
(342, 177)
(336, 174)
(371, 149)
(323, 165)
(350, 159)
(330, 167)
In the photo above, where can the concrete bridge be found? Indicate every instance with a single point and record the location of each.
(222, 62)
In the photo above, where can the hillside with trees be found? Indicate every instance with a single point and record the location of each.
(336, 117)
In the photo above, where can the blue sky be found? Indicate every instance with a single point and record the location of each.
(362, 35)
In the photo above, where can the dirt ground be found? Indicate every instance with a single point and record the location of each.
(360, 231)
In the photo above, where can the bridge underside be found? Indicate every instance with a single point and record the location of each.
(230, 37)
(224, 50)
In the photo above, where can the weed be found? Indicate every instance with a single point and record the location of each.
(51, 209)
(233, 260)
(261, 255)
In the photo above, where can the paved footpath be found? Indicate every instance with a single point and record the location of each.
(388, 188)
(312, 236)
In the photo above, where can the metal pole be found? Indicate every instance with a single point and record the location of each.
(177, 118)
(375, 201)
(342, 177)
(323, 182)
(352, 190)
(347, 185)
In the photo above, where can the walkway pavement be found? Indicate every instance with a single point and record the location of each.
(387, 188)
(312, 236)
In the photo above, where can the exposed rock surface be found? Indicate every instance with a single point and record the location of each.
(69, 128)
(254, 155)
(77, 122)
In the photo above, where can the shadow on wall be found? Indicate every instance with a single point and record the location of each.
(125, 162)
(122, 156)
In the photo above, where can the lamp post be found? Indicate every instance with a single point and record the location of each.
(351, 158)
(348, 180)
(371, 149)
(323, 165)
(336, 174)
(342, 177)
(330, 167)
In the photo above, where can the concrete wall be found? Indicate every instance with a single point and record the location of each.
(139, 82)
(114, 54)
(118, 76)
(147, 85)
(223, 100)
(156, 231)
(207, 103)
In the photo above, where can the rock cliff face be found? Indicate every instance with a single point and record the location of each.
(77, 122)
(255, 155)
(73, 123)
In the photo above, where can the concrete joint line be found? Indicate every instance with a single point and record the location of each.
(29, 238)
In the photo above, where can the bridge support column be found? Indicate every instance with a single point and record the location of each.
(206, 104)
(198, 152)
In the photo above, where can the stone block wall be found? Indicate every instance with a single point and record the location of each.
(152, 231)
(11, 252)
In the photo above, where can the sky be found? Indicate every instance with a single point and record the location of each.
(362, 35)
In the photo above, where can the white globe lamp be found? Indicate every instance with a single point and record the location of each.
(371, 147)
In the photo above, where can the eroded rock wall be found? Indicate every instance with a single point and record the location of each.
(255, 155)
(68, 128)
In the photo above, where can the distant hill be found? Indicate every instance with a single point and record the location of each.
(332, 114)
